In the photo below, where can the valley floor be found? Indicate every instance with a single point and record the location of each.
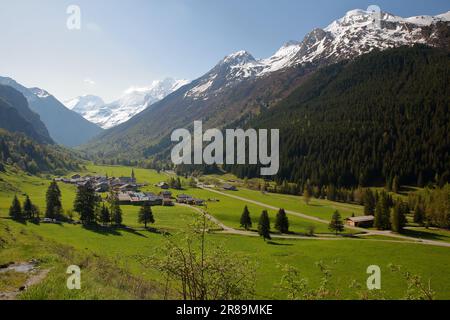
(57, 246)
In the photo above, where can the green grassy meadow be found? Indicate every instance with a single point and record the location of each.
(58, 246)
(229, 210)
(316, 208)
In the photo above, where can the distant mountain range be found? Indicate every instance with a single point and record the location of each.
(24, 140)
(65, 126)
(352, 35)
(240, 88)
(133, 101)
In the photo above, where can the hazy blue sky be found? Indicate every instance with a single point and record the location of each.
(124, 43)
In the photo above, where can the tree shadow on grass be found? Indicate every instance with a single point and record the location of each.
(273, 243)
(315, 205)
(21, 221)
(132, 231)
(424, 235)
(114, 230)
(156, 231)
(36, 222)
(106, 231)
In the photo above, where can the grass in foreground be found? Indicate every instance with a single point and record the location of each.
(102, 277)
(348, 259)
(114, 250)
(316, 208)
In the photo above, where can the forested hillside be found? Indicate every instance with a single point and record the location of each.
(11, 120)
(364, 122)
(16, 116)
(18, 150)
(64, 126)
(24, 139)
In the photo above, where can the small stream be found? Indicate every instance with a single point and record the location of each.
(19, 267)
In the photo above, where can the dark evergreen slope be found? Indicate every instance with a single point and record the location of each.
(16, 116)
(20, 151)
(11, 120)
(364, 122)
(65, 126)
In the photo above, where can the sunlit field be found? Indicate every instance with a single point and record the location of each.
(347, 259)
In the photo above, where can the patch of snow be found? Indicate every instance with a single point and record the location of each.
(40, 93)
(444, 16)
(201, 88)
(281, 59)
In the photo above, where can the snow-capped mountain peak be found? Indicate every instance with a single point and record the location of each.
(158, 89)
(360, 18)
(132, 101)
(357, 32)
(354, 18)
(29, 93)
(84, 103)
(231, 69)
(238, 58)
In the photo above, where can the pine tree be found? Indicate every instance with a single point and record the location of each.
(331, 193)
(86, 203)
(395, 185)
(35, 212)
(419, 214)
(438, 207)
(116, 215)
(105, 216)
(369, 203)
(133, 177)
(398, 219)
(53, 199)
(246, 221)
(264, 225)
(29, 209)
(336, 224)
(282, 222)
(420, 180)
(114, 208)
(382, 213)
(146, 215)
(307, 195)
(15, 211)
(389, 184)
(378, 221)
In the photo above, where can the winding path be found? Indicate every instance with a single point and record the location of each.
(366, 232)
